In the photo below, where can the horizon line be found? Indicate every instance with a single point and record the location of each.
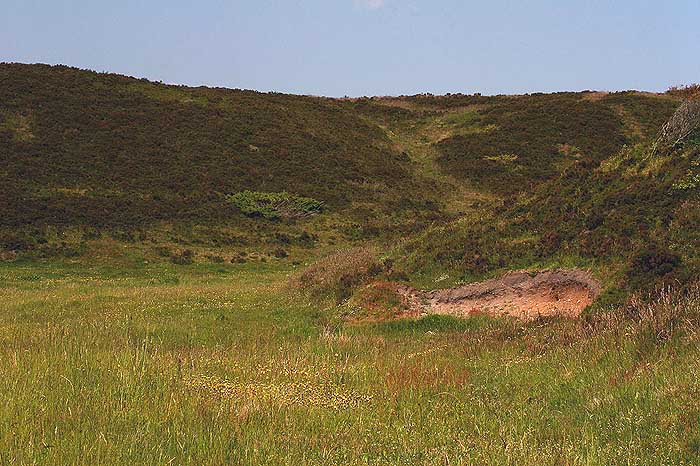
(345, 97)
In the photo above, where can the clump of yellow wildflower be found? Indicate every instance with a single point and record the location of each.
(297, 393)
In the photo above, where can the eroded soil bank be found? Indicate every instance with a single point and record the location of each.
(522, 294)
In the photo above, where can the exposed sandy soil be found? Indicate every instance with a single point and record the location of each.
(523, 294)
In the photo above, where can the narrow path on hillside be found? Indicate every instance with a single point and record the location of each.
(418, 141)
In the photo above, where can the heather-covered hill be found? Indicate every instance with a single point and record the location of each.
(103, 151)
(509, 144)
(78, 142)
(632, 218)
(87, 156)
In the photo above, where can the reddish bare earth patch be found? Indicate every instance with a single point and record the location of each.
(382, 301)
(526, 295)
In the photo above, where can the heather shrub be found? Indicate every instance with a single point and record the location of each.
(652, 263)
(280, 253)
(686, 91)
(184, 257)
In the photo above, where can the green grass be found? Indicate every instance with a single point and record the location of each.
(202, 364)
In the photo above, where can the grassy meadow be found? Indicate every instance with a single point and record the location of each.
(223, 364)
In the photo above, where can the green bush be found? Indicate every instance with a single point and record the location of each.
(274, 206)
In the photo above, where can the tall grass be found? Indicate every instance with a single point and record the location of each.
(193, 366)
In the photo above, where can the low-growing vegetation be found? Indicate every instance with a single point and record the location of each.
(531, 131)
(275, 206)
(240, 282)
(220, 161)
(217, 364)
(103, 152)
(630, 218)
(338, 274)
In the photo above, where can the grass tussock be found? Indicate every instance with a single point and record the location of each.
(665, 315)
(337, 275)
(648, 321)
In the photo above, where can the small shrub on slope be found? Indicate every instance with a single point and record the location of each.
(652, 263)
(184, 257)
(275, 206)
(682, 124)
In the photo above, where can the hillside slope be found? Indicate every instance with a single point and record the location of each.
(632, 218)
(102, 151)
(503, 180)
(509, 144)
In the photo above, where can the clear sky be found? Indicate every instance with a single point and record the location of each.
(366, 47)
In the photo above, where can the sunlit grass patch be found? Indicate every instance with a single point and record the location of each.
(304, 393)
(20, 125)
(413, 374)
(504, 158)
(433, 323)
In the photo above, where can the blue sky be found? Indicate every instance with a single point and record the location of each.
(367, 47)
